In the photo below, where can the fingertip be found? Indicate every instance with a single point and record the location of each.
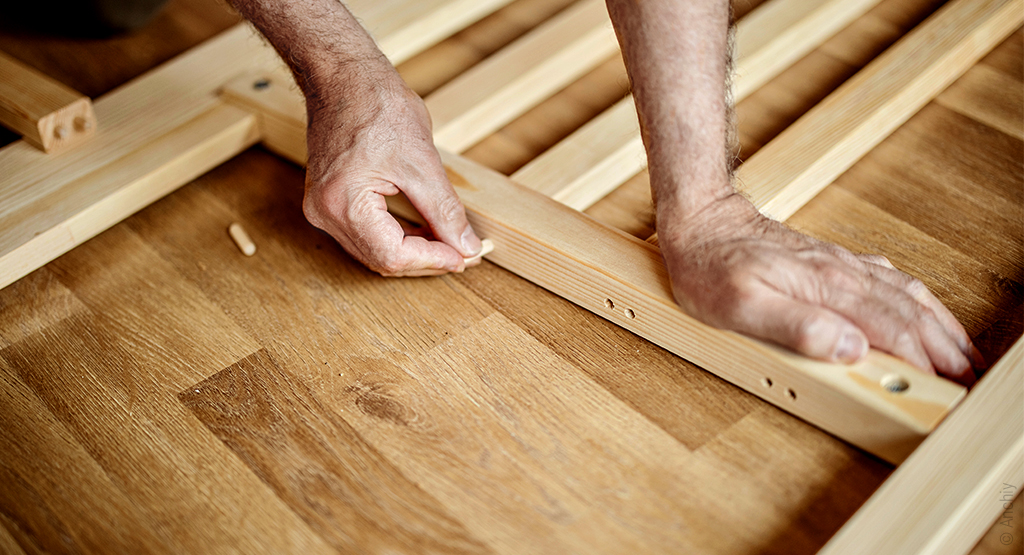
(851, 347)
(967, 378)
(977, 360)
(471, 244)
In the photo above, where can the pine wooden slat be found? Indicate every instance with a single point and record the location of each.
(153, 106)
(46, 113)
(513, 80)
(948, 492)
(593, 161)
(587, 165)
(404, 28)
(825, 142)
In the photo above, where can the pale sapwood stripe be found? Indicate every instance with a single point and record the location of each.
(404, 28)
(524, 73)
(945, 495)
(602, 155)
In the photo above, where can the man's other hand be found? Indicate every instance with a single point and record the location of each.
(735, 269)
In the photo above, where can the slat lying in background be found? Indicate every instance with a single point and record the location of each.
(153, 106)
(504, 86)
(404, 28)
(44, 112)
(944, 497)
(829, 139)
(623, 279)
(600, 156)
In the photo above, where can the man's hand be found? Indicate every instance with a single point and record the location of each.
(369, 137)
(735, 269)
(379, 144)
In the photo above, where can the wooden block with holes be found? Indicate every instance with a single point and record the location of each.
(46, 113)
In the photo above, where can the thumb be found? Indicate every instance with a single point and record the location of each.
(446, 216)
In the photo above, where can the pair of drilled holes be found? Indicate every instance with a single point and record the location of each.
(890, 382)
(768, 383)
(610, 305)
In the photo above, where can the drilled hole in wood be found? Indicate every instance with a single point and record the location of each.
(609, 304)
(894, 384)
(766, 381)
(791, 394)
(630, 314)
(261, 84)
(60, 132)
(82, 124)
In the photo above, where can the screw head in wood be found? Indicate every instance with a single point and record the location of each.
(261, 84)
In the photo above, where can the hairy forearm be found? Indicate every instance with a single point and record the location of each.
(676, 53)
(327, 49)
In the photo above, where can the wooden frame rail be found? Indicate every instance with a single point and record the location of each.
(203, 108)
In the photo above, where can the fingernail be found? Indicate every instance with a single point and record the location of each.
(850, 348)
(977, 361)
(470, 242)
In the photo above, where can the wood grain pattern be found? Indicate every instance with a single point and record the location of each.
(376, 391)
(778, 33)
(815, 150)
(45, 112)
(34, 302)
(403, 28)
(499, 89)
(53, 493)
(319, 465)
(973, 96)
(980, 172)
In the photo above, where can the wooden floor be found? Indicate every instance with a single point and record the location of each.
(160, 392)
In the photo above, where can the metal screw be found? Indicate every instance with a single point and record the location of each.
(894, 384)
(261, 84)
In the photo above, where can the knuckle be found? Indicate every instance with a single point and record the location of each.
(808, 328)
(313, 209)
(916, 287)
(449, 207)
(388, 264)
(835, 277)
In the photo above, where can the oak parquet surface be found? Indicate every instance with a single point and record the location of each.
(161, 392)
(295, 444)
(33, 303)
